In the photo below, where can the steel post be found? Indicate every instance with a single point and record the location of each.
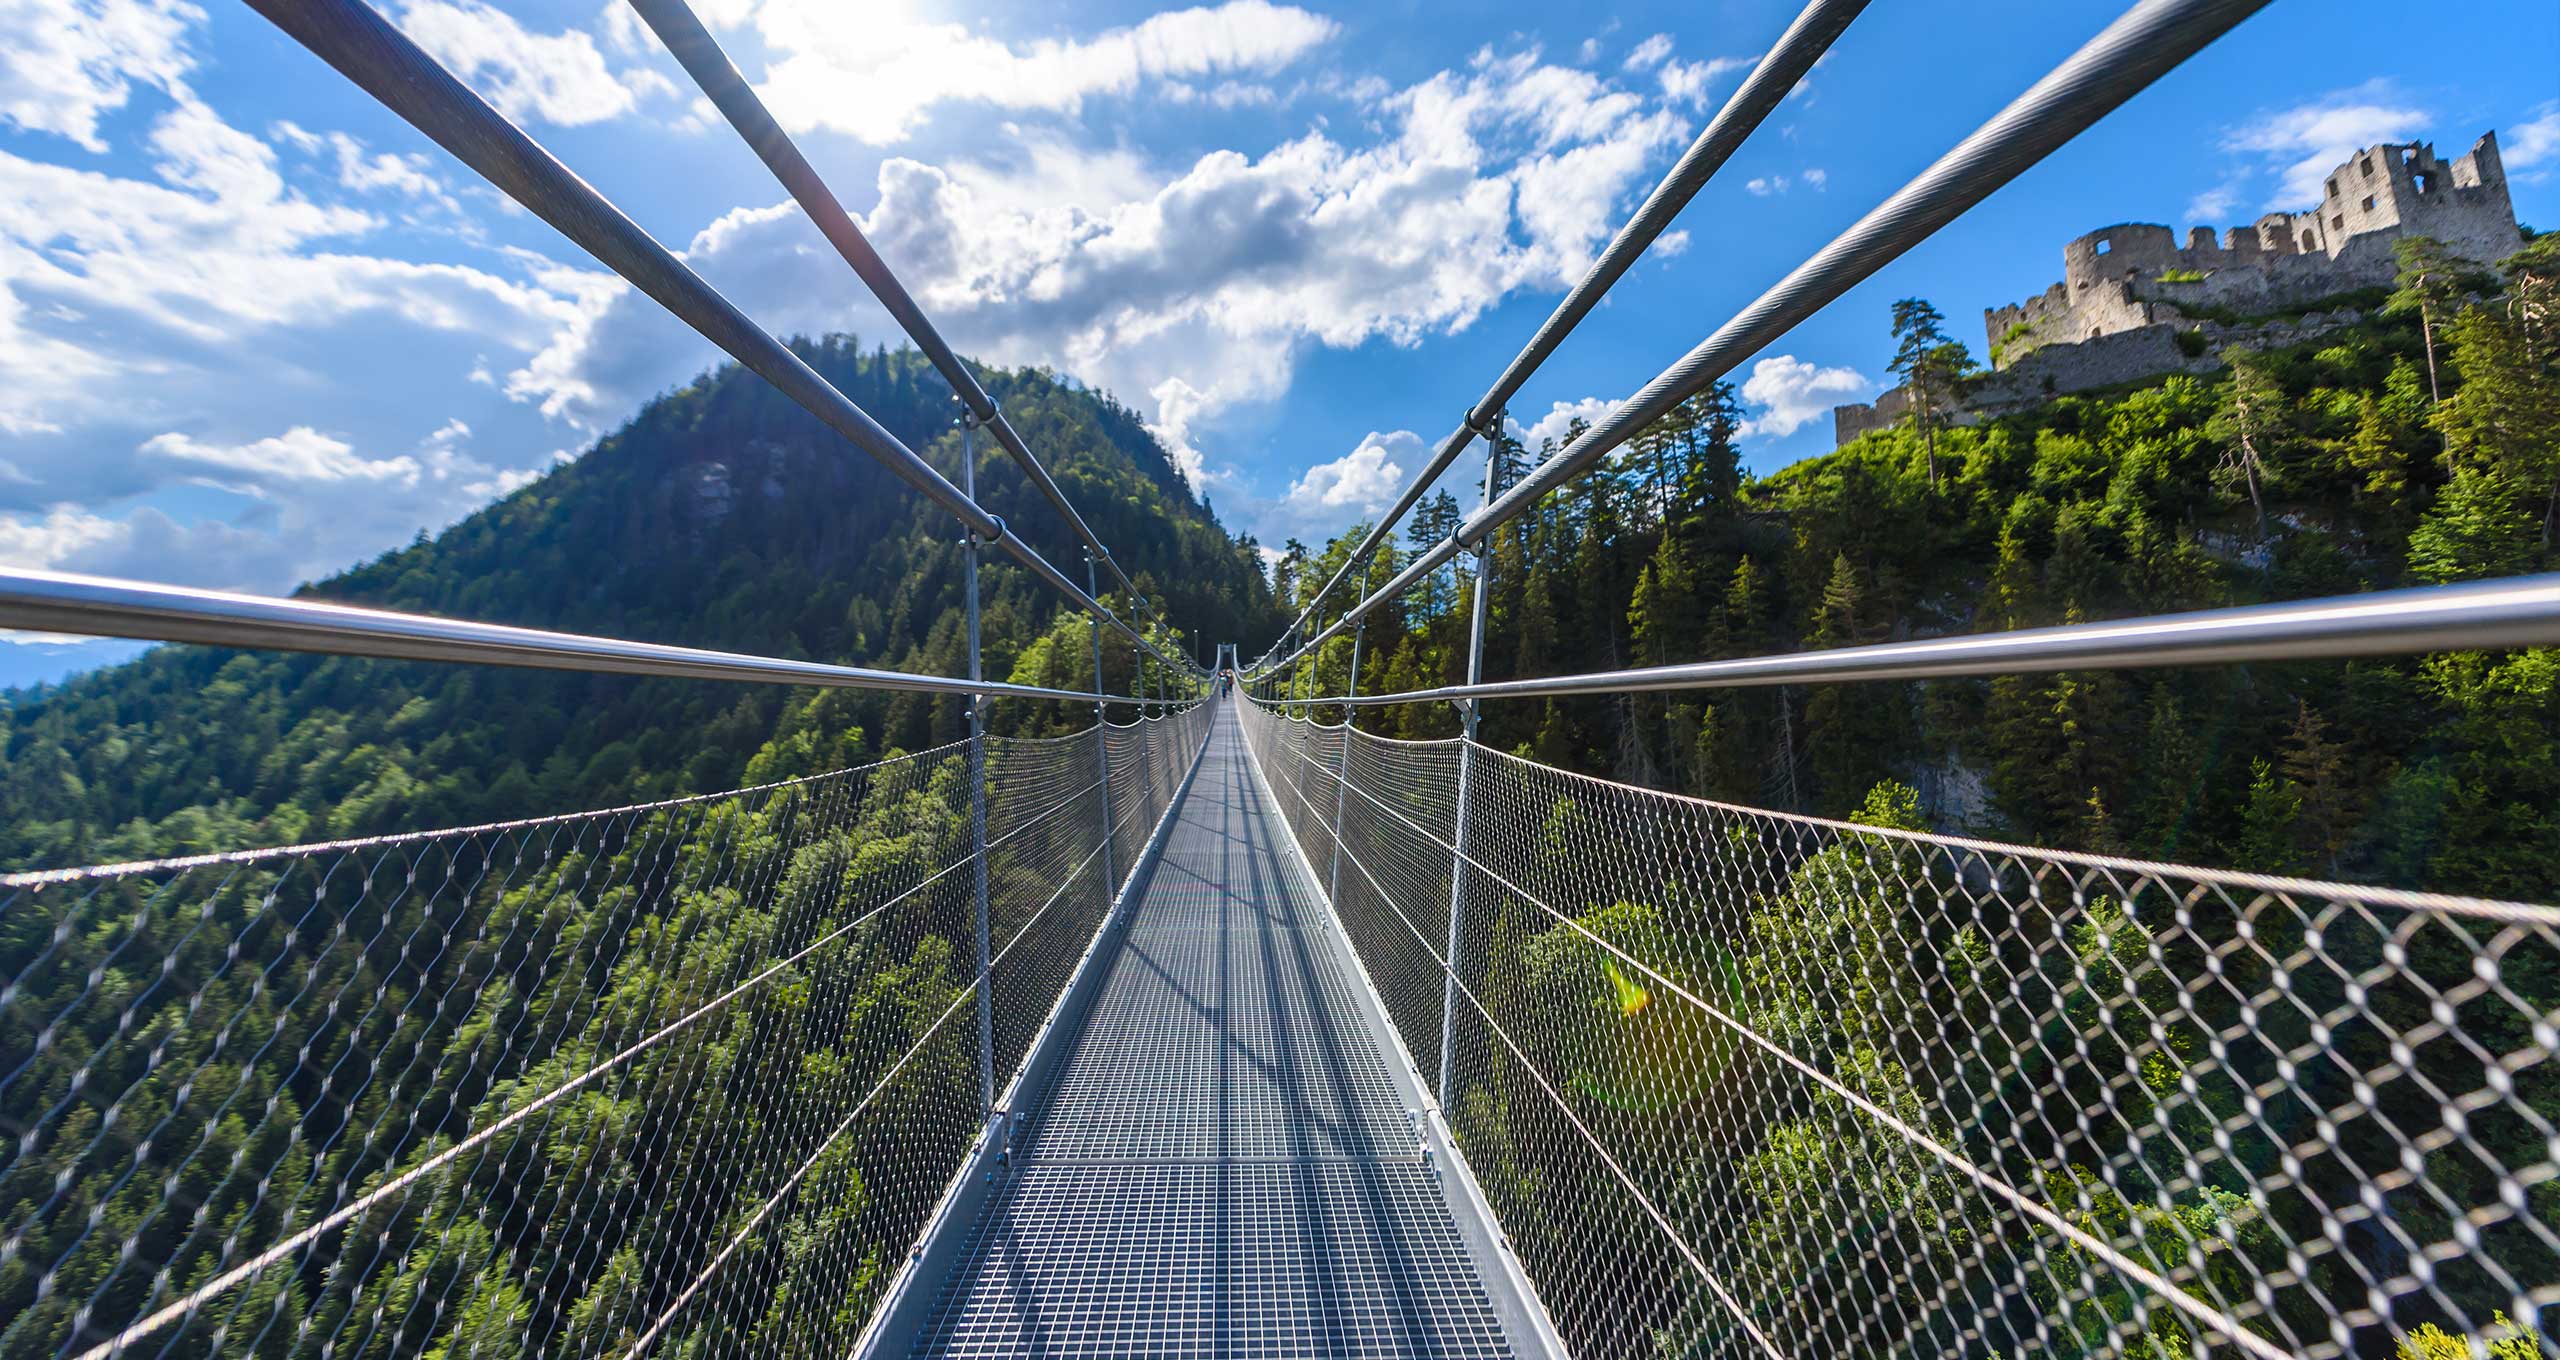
(1342, 773)
(1466, 770)
(1101, 745)
(978, 781)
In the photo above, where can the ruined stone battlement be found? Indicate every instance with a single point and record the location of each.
(2135, 275)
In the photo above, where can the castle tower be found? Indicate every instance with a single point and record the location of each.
(2134, 275)
(2402, 189)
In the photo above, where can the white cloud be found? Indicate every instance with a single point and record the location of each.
(1764, 185)
(2532, 145)
(61, 533)
(876, 77)
(2214, 204)
(1557, 423)
(300, 454)
(1226, 94)
(2300, 145)
(309, 505)
(1816, 178)
(67, 63)
(1692, 82)
(1650, 53)
(1362, 481)
(1198, 286)
(1792, 394)
(560, 78)
(215, 250)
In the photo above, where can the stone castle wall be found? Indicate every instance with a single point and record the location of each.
(2137, 274)
(2108, 361)
(2128, 291)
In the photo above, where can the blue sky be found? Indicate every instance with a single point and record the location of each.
(252, 328)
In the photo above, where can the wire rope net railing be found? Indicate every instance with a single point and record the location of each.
(1744, 1083)
(687, 1077)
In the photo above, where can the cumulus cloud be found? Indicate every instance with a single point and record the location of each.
(215, 248)
(366, 171)
(1198, 286)
(1362, 481)
(2298, 146)
(1333, 495)
(129, 298)
(1693, 82)
(1556, 425)
(67, 63)
(308, 503)
(2533, 146)
(1762, 186)
(300, 454)
(1791, 393)
(876, 77)
(559, 78)
(1650, 53)
(56, 536)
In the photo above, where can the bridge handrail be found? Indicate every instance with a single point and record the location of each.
(1720, 1067)
(2520, 611)
(690, 42)
(64, 602)
(369, 50)
(2139, 47)
(1805, 42)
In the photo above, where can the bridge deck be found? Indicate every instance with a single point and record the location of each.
(1223, 1164)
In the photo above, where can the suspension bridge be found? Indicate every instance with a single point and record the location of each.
(1222, 1027)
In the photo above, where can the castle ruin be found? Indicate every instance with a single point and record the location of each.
(2129, 292)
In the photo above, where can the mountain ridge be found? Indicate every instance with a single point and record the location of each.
(720, 516)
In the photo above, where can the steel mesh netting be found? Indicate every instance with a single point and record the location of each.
(1744, 1083)
(1391, 870)
(684, 1077)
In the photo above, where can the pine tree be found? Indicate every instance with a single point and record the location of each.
(1850, 730)
(2171, 770)
(1930, 365)
(2475, 530)
(2506, 418)
(2316, 767)
(2249, 425)
(1435, 517)
(1664, 619)
(2375, 453)
(2268, 823)
(2432, 282)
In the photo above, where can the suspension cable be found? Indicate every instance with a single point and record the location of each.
(693, 46)
(2138, 48)
(2475, 616)
(101, 606)
(1803, 44)
(380, 59)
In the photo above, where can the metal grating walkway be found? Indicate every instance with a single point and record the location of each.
(1223, 1164)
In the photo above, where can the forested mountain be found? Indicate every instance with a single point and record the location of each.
(2420, 446)
(722, 516)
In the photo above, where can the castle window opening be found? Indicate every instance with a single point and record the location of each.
(2368, 203)
(2105, 246)
(2338, 222)
(2333, 188)
(2426, 181)
(2367, 165)
(2306, 241)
